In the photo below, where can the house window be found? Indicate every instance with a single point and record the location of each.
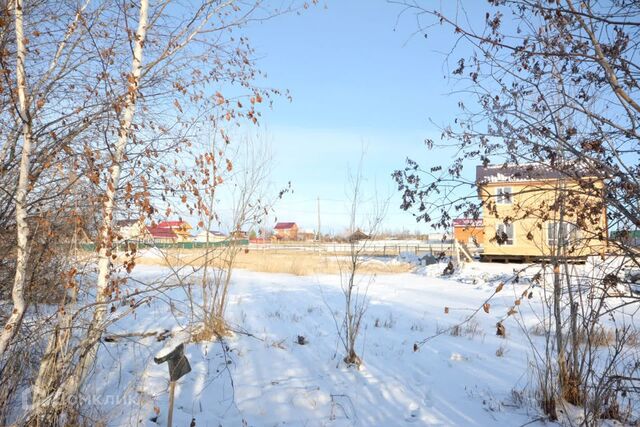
(503, 195)
(561, 233)
(504, 234)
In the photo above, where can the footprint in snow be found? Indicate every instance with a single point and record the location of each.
(457, 357)
(414, 413)
(427, 401)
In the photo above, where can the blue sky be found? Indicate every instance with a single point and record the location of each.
(358, 77)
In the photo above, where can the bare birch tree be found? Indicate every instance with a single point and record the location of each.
(13, 323)
(115, 92)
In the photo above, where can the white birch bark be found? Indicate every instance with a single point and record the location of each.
(22, 254)
(104, 255)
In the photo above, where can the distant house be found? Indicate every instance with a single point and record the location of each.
(239, 234)
(522, 215)
(627, 237)
(210, 236)
(131, 229)
(180, 228)
(286, 231)
(162, 234)
(468, 230)
(306, 235)
(358, 235)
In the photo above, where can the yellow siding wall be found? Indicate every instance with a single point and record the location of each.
(530, 232)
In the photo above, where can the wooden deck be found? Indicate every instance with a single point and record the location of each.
(527, 259)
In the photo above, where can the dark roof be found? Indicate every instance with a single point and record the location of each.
(358, 235)
(284, 225)
(126, 222)
(513, 173)
(530, 172)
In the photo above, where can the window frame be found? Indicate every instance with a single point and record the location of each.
(513, 233)
(569, 237)
(500, 195)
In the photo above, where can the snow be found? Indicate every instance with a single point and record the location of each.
(179, 337)
(409, 257)
(265, 378)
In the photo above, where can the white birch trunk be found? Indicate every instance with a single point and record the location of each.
(15, 319)
(104, 255)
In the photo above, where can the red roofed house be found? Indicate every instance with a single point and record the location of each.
(468, 230)
(170, 232)
(162, 234)
(286, 231)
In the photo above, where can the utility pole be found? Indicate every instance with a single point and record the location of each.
(319, 235)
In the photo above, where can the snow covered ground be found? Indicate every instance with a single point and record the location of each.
(468, 378)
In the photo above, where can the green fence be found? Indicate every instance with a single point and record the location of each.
(165, 245)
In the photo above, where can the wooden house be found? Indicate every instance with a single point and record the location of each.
(286, 231)
(468, 230)
(532, 212)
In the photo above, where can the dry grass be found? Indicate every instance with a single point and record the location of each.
(213, 329)
(470, 329)
(296, 263)
(600, 337)
(605, 337)
(387, 323)
(538, 330)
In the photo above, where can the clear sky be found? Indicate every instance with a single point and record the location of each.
(359, 76)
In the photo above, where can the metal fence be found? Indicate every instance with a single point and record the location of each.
(370, 248)
(122, 246)
(373, 248)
